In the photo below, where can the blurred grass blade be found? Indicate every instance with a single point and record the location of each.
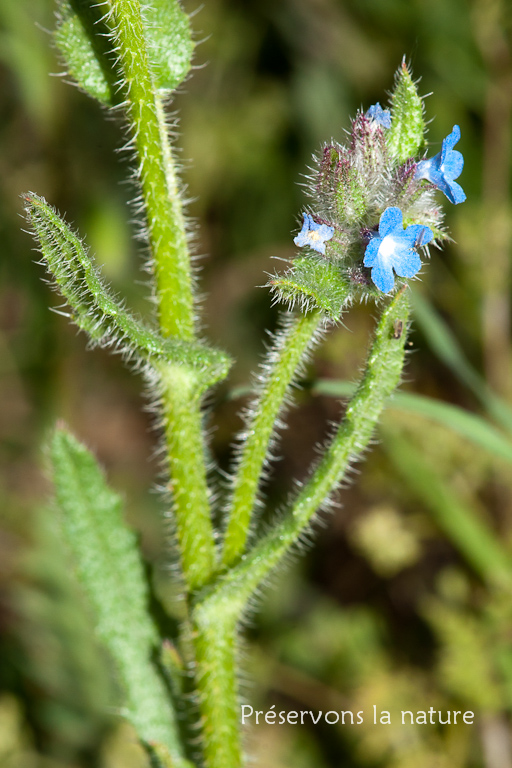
(466, 424)
(475, 541)
(444, 344)
(108, 567)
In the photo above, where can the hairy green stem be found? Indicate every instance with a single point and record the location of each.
(167, 235)
(166, 224)
(217, 613)
(188, 479)
(289, 348)
(215, 645)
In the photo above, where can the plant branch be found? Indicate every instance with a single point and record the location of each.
(218, 611)
(288, 350)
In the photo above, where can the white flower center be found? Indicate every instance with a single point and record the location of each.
(314, 236)
(388, 247)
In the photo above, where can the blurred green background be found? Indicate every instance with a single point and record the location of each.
(404, 601)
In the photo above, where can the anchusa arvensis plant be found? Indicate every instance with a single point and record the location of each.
(374, 209)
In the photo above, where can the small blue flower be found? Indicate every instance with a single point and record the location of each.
(394, 249)
(314, 234)
(444, 167)
(379, 115)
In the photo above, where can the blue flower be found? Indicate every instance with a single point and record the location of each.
(394, 249)
(314, 234)
(379, 115)
(444, 167)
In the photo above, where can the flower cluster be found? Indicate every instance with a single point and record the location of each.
(375, 201)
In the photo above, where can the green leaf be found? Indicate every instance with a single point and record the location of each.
(405, 138)
(313, 284)
(169, 42)
(97, 311)
(108, 567)
(85, 42)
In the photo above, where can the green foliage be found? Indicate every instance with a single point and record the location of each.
(87, 54)
(350, 194)
(96, 310)
(82, 37)
(313, 283)
(405, 138)
(457, 519)
(465, 645)
(380, 378)
(169, 42)
(469, 425)
(108, 567)
(220, 577)
(446, 347)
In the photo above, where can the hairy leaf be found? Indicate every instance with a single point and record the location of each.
(97, 311)
(84, 40)
(110, 571)
(313, 284)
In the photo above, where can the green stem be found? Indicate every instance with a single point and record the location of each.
(167, 236)
(221, 607)
(216, 675)
(289, 348)
(166, 224)
(180, 400)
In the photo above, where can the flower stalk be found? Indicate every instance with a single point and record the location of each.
(290, 347)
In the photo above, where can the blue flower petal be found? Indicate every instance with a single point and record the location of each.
(393, 250)
(406, 262)
(455, 193)
(391, 220)
(443, 168)
(372, 251)
(313, 234)
(416, 235)
(453, 165)
(379, 115)
(382, 276)
(451, 140)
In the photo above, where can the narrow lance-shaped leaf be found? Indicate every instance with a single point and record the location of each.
(83, 39)
(108, 566)
(96, 310)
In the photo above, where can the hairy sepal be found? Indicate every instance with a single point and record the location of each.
(405, 138)
(108, 567)
(313, 283)
(96, 310)
(83, 37)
